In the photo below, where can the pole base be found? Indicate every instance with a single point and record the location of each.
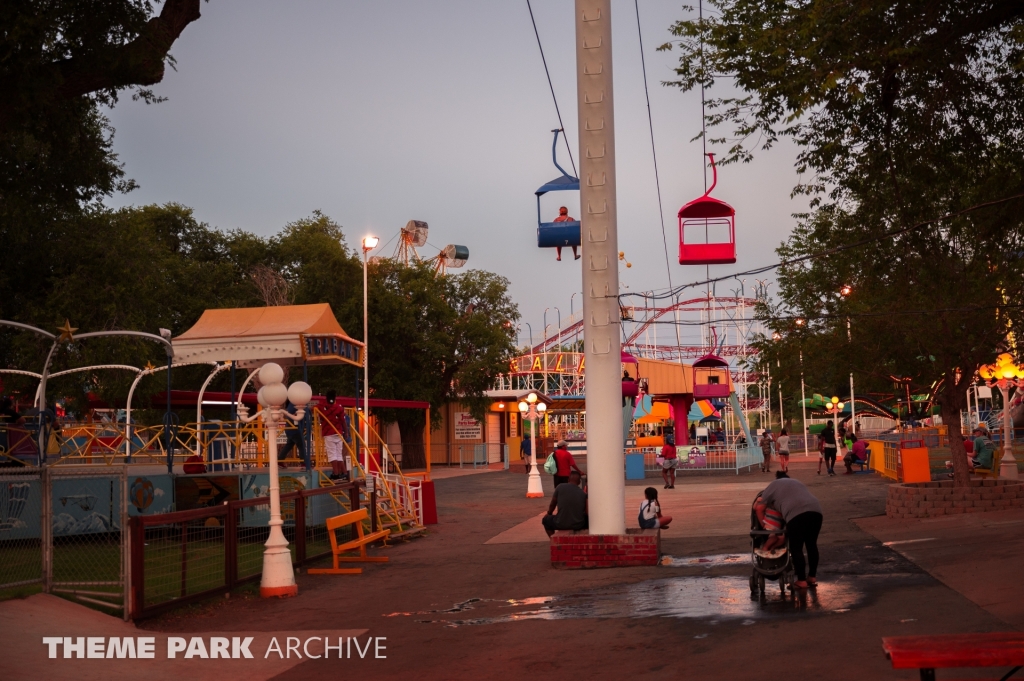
(534, 488)
(279, 591)
(1008, 470)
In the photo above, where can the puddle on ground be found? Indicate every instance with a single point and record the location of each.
(706, 561)
(712, 598)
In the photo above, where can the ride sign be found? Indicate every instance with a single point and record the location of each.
(331, 346)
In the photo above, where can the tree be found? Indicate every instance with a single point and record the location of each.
(436, 339)
(59, 60)
(908, 124)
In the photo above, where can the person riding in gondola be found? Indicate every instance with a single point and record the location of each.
(563, 216)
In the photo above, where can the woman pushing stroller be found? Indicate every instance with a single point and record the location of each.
(802, 514)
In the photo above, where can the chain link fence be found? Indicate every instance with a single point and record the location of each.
(21, 553)
(84, 531)
(62, 531)
(186, 555)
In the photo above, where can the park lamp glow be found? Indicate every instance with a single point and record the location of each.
(524, 407)
(845, 290)
(370, 243)
(1005, 374)
(776, 336)
(834, 406)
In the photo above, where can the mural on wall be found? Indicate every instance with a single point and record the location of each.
(150, 494)
(86, 505)
(14, 498)
(204, 491)
(258, 485)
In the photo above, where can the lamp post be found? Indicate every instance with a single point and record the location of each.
(533, 410)
(834, 407)
(278, 577)
(369, 243)
(1004, 374)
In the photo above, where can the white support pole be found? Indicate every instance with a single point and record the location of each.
(803, 401)
(366, 373)
(1008, 464)
(600, 244)
(853, 408)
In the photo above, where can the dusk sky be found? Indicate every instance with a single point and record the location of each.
(378, 113)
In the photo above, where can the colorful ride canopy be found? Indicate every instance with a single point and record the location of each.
(287, 334)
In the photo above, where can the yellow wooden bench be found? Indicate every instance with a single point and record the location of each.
(357, 544)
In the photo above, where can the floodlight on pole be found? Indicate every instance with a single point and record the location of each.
(369, 243)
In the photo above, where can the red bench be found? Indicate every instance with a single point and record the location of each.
(928, 653)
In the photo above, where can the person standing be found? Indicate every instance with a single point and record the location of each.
(565, 463)
(766, 450)
(669, 461)
(335, 433)
(524, 451)
(803, 515)
(829, 447)
(782, 450)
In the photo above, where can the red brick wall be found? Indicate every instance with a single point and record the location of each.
(931, 499)
(582, 550)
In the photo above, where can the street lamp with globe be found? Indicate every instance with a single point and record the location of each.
(1004, 374)
(835, 407)
(278, 577)
(533, 410)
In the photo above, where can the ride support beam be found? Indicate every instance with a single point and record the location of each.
(600, 244)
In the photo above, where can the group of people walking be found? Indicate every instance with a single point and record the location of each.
(855, 451)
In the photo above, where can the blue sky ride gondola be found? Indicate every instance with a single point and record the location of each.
(558, 234)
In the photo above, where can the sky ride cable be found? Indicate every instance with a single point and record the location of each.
(654, 156)
(551, 87)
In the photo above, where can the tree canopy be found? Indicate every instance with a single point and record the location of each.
(909, 129)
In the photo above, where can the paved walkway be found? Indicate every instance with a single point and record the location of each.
(706, 509)
(457, 604)
(980, 555)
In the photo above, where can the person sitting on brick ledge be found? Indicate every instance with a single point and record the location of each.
(572, 507)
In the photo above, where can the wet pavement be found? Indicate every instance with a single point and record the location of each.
(848, 585)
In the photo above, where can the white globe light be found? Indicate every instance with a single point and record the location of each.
(299, 394)
(275, 394)
(271, 373)
(524, 407)
(531, 398)
(542, 407)
(262, 399)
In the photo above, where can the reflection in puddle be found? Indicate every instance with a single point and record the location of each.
(681, 597)
(706, 561)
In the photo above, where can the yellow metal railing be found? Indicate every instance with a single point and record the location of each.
(884, 457)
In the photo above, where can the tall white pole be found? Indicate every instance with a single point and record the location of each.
(803, 401)
(278, 577)
(782, 420)
(366, 374)
(600, 243)
(853, 408)
(1008, 464)
(803, 408)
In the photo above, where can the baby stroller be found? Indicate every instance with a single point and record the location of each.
(776, 565)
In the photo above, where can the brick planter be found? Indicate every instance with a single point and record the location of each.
(575, 550)
(932, 499)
